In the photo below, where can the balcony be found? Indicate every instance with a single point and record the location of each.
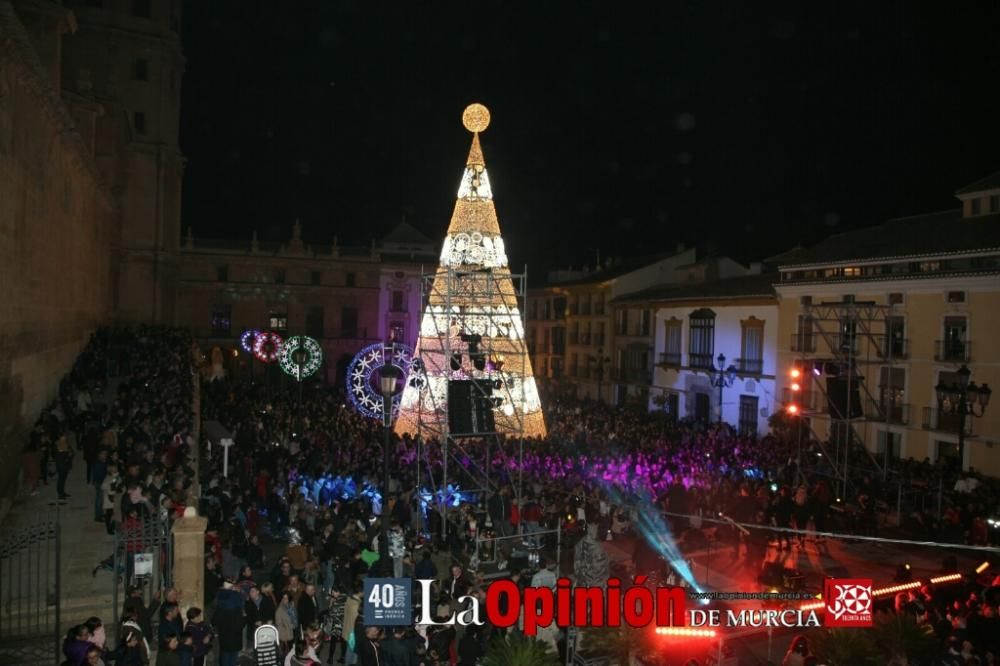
(750, 366)
(701, 361)
(944, 421)
(955, 351)
(632, 376)
(888, 412)
(803, 342)
(670, 359)
(898, 348)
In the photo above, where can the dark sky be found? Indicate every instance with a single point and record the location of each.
(738, 127)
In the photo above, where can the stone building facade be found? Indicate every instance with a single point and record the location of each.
(58, 218)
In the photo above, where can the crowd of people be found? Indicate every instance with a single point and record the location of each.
(295, 525)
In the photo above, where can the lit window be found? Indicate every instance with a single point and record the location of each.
(278, 320)
(852, 271)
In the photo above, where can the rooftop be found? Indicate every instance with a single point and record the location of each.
(932, 234)
(744, 286)
(991, 182)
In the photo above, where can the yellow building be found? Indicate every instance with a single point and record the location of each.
(876, 320)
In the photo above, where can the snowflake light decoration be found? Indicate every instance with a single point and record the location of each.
(247, 339)
(267, 347)
(300, 357)
(362, 376)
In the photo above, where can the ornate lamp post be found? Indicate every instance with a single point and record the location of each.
(964, 398)
(722, 377)
(600, 362)
(388, 379)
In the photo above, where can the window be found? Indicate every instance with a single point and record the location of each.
(314, 322)
(701, 347)
(897, 336)
(644, 319)
(751, 359)
(852, 271)
(803, 339)
(139, 122)
(956, 296)
(895, 298)
(349, 321)
(848, 334)
(559, 307)
(888, 445)
(140, 71)
(316, 277)
(222, 273)
(546, 309)
(397, 331)
(954, 346)
(279, 276)
(621, 322)
(672, 342)
(398, 302)
(748, 415)
(975, 206)
(892, 394)
(141, 8)
(598, 337)
(277, 320)
(995, 203)
(221, 320)
(349, 280)
(558, 340)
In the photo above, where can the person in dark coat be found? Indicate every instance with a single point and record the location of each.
(268, 605)
(228, 621)
(307, 608)
(425, 569)
(368, 647)
(76, 644)
(470, 648)
(201, 635)
(143, 613)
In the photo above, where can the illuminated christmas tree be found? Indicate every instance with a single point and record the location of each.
(471, 331)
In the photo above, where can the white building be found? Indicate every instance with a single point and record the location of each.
(695, 323)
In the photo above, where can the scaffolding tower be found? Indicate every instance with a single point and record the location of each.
(856, 338)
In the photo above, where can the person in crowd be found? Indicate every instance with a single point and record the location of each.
(200, 634)
(228, 621)
(286, 621)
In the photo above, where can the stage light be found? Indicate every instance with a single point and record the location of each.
(792, 409)
(903, 573)
(982, 567)
(795, 373)
(949, 578)
(816, 371)
(893, 589)
(796, 386)
(508, 409)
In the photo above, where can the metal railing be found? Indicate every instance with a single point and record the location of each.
(944, 420)
(803, 342)
(750, 366)
(887, 411)
(670, 358)
(958, 351)
(701, 361)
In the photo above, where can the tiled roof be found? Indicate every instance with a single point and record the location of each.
(744, 286)
(918, 236)
(991, 182)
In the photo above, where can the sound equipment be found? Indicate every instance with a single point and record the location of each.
(838, 399)
(469, 409)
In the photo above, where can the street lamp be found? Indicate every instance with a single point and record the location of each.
(964, 399)
(600, 362)
(388, 378)
(722, 377)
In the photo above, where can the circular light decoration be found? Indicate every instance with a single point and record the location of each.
(247, 339)
(476, 117)
(363, 377)
(300, 356)
(267, 347)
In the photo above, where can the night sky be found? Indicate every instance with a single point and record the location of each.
(629, 127)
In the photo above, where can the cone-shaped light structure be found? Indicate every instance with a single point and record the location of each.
(471, 328)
